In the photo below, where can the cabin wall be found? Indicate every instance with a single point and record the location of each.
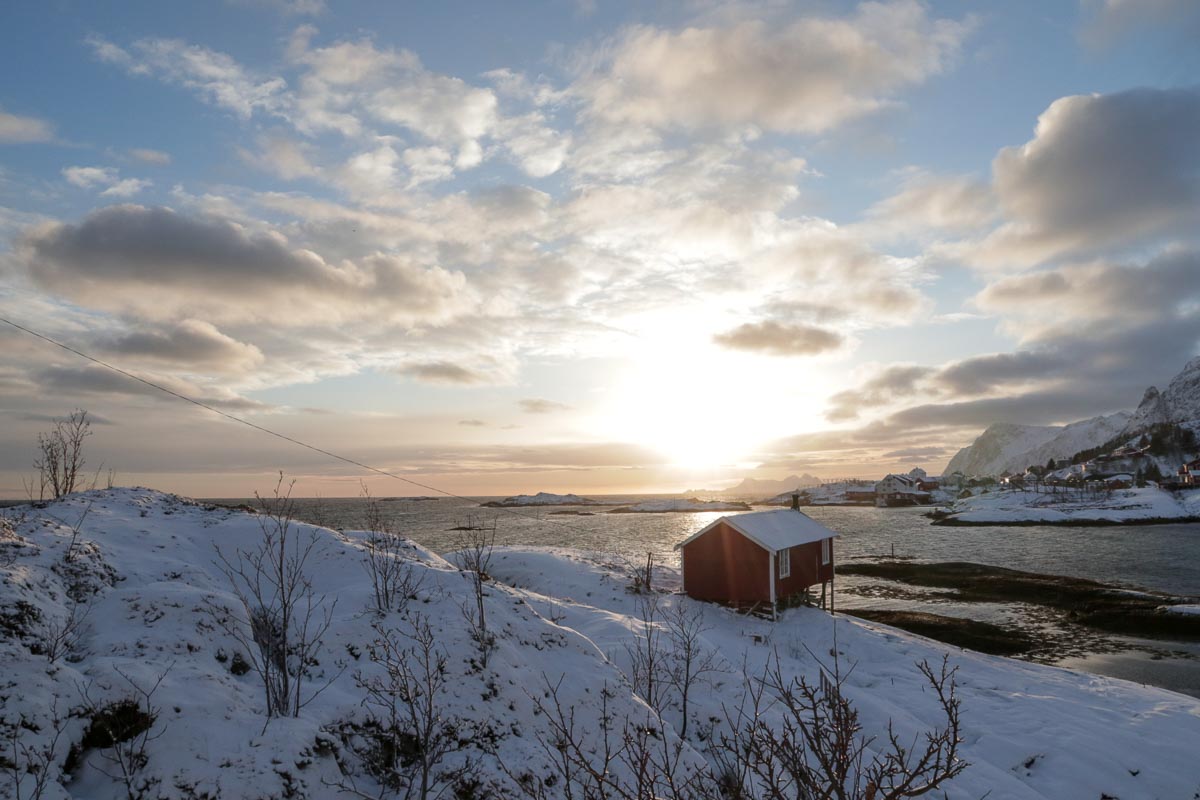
(723, 565)
(807, 570)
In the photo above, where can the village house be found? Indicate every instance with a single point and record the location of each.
(760, 559)
(901, 490)
(1189, 474)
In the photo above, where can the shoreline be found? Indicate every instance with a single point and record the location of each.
(952, 522)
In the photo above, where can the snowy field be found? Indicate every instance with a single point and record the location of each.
(1048, 508)
(138, 589)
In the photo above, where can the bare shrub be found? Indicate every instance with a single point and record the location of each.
(60, 638)
(474, 558)
(393, 579)
(405, 740)
(285, 620)
(30, 767)
(818, 749)
(122, 730)
(649, 670)
(626, 759)
(641, 576)
(60, 457)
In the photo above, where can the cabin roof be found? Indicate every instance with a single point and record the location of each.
(773, 530)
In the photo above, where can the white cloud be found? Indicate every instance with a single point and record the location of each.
(155, 157)
(108, 177)
(807, 75)
(16, 129)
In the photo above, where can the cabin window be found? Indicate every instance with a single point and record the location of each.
(826, 548)
(785, 563)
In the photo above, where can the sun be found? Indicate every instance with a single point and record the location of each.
(704, 407)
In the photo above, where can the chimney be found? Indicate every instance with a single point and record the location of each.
(795, 501)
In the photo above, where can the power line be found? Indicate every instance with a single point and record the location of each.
(270, 432)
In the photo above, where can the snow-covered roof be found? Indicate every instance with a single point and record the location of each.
(773, 530)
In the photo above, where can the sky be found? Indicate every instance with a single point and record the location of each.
(601, 247)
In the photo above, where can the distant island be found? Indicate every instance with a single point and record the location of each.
(540, 499)
(687, 505)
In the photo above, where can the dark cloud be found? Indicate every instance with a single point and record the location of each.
(891, 384)
(1102, 171)
(443, 372)
(74, 381)
(780, 339)
(189, 343)
(159, 262)
(535, 405)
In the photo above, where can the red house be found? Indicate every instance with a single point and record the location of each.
(760, 558)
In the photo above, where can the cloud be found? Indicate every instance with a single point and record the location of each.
(443, 372)
(890, 384)
(472, 423)
(942, 204)
(127, 187)
(189, 344)
(155, 157)
(1105, 21)
(1102, 171)
(215, 76)
(92, 380)
(535, 405)
(286, 7)
(806, 75)
(87, 177)
(163, 264)
(108, 177)
(780, 339)
(16, 129)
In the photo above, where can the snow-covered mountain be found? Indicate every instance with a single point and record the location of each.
(1179, 404)
(1005, 447)
(762, 487)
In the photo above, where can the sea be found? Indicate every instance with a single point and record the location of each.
(1159, 558)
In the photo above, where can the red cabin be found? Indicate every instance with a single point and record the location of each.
(760, 558)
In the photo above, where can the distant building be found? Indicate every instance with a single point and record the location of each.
(916, 473)
(900, 490)
(760, 558)
(1189, 473)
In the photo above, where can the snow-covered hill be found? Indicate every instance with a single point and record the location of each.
(141, 600)
(541, 499)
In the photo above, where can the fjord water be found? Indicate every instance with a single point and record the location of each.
(1161, 558)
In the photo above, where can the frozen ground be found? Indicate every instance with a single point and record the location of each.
(144, 569)
(1066, 506)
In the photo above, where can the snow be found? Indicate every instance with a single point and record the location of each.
(1006, 447)
(1183, 609)
(542, 499)
(1067, 506)
(773, 530)
(689, 504)
(561, 618)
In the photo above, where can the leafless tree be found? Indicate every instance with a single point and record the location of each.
(475, 558)
(29, 767)
(393, 579)
(649, 668)
(817, 749)
(689, 659)
(122, 730)
(285, 620)
(60, 457)
(406, 740)
(76, 529)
